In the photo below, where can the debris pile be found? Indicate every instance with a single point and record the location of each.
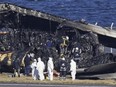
(63, 41)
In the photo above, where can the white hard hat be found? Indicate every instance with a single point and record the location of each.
(34, 60)
(72, 60)
(77, 48)
(50, 58)
(63, 58)
(39, 59)
(67, 37)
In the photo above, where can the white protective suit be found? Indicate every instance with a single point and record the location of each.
(73, 69)
(34, 70)
(50, 68)
(40, 68)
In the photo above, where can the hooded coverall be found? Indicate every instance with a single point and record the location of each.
(73, 69)
(34, 70)
(40, 68)
(50, 67)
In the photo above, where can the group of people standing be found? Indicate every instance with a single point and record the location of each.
(38, 68)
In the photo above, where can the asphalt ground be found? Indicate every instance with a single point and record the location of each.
(48, 85)
(7, 81)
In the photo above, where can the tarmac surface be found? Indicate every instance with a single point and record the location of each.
(47, 85)
(27, 81)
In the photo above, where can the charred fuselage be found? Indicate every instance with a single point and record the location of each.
(24, 30)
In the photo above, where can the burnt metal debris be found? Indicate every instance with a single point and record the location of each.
(24, 31)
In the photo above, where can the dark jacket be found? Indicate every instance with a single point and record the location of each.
(63, 65)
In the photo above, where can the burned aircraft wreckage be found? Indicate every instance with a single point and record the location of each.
(23, 30)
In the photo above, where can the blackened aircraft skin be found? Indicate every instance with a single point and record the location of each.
(24, 30)
(41, 20)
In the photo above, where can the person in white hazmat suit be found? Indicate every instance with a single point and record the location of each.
(50, 68)
(73, 69)
(34, 70)
(40, 68)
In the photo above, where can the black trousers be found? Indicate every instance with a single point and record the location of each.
(62, 73)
